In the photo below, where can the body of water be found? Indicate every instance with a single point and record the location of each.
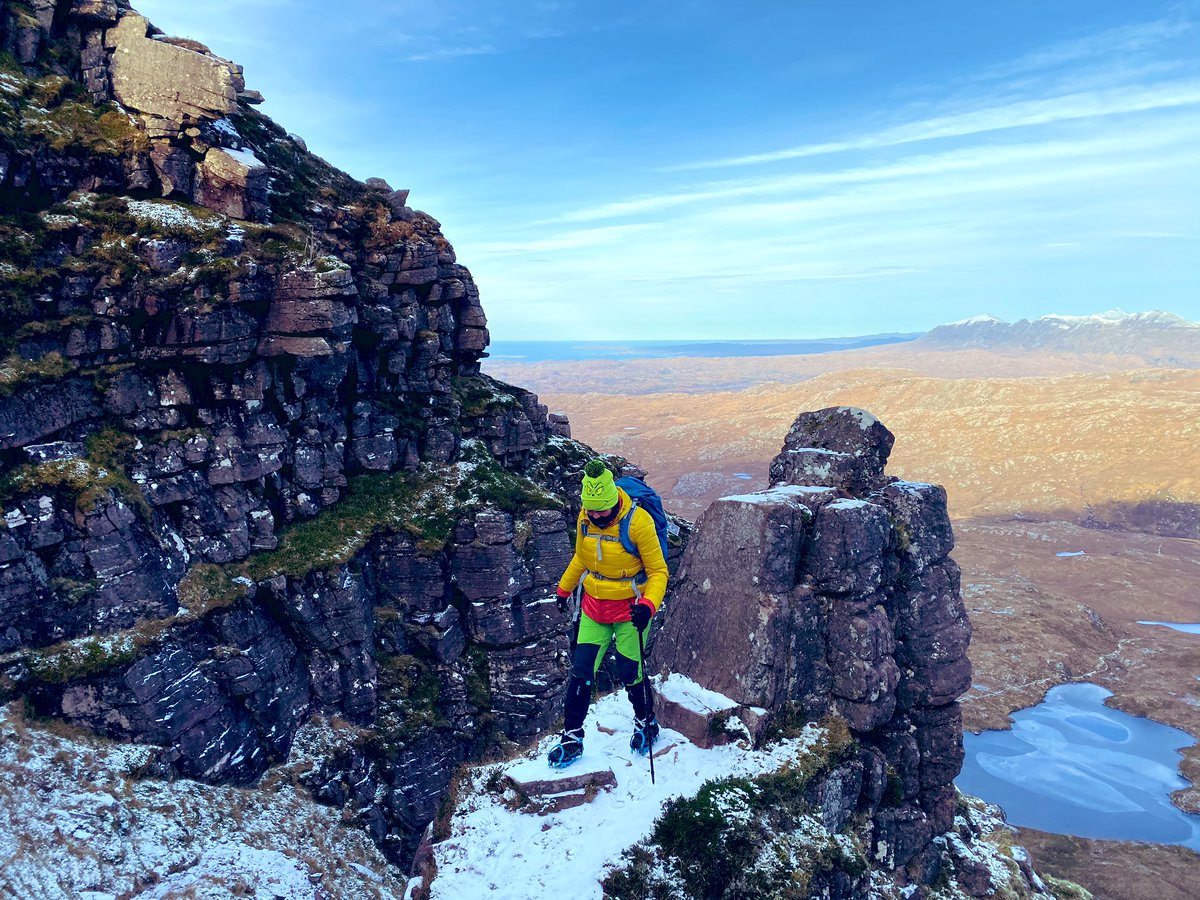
(1178, 626)
(1071, 765)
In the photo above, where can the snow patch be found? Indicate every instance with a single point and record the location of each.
(494, 851)
(978, 320)
(682, 690)
(776, 495)
(245, 158)
(170, 215)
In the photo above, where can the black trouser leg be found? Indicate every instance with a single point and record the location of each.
(579, 686)
(636, 688)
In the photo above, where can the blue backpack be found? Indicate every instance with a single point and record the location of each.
(647, 498)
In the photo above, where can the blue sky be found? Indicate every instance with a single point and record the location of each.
(806, 168)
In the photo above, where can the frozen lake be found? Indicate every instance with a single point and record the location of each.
(1071, 765)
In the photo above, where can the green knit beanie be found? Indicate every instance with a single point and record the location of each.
(599, 492)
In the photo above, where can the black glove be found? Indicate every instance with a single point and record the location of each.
(640, 615)
(562, 598)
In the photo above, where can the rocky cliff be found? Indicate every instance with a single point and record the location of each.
(265, 518)
(250, 471)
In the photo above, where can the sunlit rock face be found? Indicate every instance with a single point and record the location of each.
(832, 592)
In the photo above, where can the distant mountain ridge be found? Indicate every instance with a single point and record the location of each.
(1161, 338)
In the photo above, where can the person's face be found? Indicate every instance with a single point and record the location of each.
(602, 518)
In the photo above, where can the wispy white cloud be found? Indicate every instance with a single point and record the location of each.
(1105, 45)
(963, 160)
(443, 53)
(1094, 104)
(572, 240)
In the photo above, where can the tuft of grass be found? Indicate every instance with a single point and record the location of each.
(410, 695)
(206, 587)
(17, 373)
(1066, 890)
(55, 113)
(81, 658)
(414, 502)
(382, 232)
(492, 484)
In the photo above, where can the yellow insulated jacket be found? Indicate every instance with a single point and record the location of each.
(610, 568)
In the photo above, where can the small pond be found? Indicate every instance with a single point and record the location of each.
(1178, 626)
(1071, 765)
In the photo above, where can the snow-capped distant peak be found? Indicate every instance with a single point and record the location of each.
(1108, 317)
(979, 320)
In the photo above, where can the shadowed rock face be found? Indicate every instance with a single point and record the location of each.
(253, 477)
(833, 591)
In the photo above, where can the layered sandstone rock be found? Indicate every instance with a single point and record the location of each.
(833, 592)
(176, 94)
(164, 80)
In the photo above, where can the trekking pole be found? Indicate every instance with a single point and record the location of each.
(646, 689)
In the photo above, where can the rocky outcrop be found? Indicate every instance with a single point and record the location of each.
(832, 592)
(170, 105)
(175, 83)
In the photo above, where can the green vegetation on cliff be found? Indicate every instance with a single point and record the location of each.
(747, 837)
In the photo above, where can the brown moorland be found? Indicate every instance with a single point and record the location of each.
(999, 445)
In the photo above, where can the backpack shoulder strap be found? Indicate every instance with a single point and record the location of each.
(626, 540)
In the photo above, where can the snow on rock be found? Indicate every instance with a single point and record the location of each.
(80, 818)
(775, 495)
(979, 320)
(225, 127)
(497, 851)
(170, 215)
(559, 789)
(703, 716)
(682, 690)
(245, 158)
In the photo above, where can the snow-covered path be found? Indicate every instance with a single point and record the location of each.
(494, 852)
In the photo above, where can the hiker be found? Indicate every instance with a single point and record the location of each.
(621, 590)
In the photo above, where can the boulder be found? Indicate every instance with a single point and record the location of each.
(839, 446)
(234, 182)
(700, 715)
(96, 12)
(553, 790)
(166, 80)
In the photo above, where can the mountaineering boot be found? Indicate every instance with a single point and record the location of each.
(568, 749)
(645, 733)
